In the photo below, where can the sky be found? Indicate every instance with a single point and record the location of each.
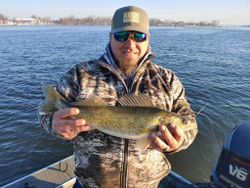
(228, 12)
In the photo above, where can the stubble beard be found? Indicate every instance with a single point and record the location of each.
(127, 67)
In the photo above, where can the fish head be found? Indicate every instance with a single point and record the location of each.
(185, 123)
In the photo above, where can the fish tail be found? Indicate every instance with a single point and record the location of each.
(52, 98)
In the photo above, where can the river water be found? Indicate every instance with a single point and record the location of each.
(213, 64)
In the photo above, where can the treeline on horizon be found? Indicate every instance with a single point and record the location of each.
(93, 20)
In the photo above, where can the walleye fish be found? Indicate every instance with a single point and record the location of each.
(135, 117)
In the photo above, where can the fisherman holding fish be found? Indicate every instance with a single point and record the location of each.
(123, 113)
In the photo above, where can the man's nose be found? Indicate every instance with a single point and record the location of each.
(130, 42)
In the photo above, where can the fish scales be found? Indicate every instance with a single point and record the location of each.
(130, 121)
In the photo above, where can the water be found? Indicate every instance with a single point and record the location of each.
(213, 63)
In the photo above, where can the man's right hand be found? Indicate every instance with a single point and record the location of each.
(66, 125)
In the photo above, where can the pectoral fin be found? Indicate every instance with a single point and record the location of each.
(143, 143)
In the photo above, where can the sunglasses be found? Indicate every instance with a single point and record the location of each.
(124, 35)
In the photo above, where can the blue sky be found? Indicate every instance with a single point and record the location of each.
(236, 12)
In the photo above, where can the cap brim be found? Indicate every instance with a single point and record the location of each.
(130, 28)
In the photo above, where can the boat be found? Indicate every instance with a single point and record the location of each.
(61, 175)
(57, 175)
(232, 169)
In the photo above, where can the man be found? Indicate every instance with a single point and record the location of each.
(125, 68)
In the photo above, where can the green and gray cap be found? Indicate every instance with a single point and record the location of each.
(130, 18)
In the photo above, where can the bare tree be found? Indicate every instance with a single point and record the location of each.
(3, 19)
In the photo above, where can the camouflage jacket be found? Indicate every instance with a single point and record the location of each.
(106, 161)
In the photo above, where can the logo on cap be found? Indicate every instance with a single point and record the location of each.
(131, 17)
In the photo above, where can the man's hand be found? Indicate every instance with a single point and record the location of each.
(168, 138)
(66, 125)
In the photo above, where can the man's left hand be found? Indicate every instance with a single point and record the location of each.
(168, 138)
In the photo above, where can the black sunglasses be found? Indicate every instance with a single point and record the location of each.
(124, 35)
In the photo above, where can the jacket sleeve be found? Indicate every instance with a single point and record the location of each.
(67, 87)
(181, 106)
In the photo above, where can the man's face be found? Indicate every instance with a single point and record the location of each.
(128, 52)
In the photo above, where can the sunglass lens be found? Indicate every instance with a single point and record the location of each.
(140, 37)
(121, 36)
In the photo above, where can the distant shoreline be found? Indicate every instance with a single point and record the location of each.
(102, 21)
(153, 26)
(91, 20)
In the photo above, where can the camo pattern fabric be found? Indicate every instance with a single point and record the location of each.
(106, 161)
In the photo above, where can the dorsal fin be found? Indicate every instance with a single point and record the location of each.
(136, 100)
(91, 101)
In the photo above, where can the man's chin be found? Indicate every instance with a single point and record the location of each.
(130, 57)
(130, 61)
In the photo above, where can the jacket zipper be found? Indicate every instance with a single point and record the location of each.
(124, 177)
(125, 165)
(124, 173)
(126, 153)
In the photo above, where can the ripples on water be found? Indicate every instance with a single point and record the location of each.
(213, 63)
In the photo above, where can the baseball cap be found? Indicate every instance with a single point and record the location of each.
(130, 18)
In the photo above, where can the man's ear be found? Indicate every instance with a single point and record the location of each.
(110, 36)
(148, 37)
